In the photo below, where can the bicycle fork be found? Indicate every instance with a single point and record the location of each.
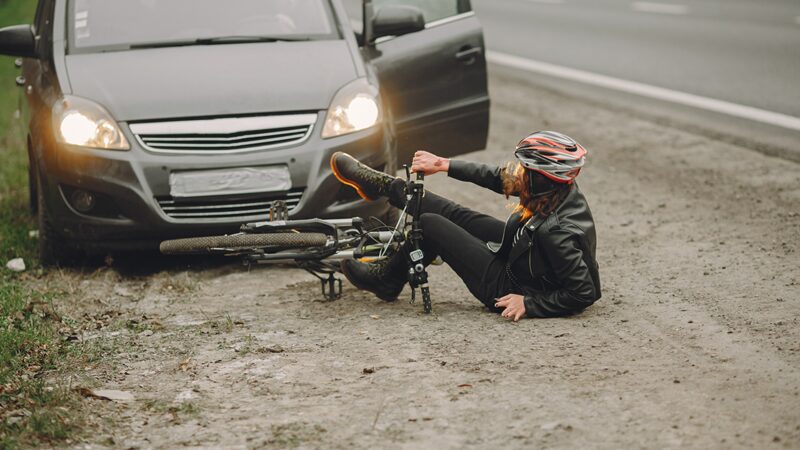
(417, 274)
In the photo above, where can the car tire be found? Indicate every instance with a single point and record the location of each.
(53, 250)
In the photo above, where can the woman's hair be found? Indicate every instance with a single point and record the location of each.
(539, 198)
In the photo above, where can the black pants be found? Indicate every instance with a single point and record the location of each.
(459, 235)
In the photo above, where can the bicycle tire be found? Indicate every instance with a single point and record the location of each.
(239, 242)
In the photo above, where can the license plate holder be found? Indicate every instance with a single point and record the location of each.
(232, 181)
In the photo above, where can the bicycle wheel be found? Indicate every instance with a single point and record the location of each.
(238, 242)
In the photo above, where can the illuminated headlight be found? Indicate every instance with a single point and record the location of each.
(355, 107)
(82, 122)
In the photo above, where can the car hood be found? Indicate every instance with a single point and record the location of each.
(216, 80)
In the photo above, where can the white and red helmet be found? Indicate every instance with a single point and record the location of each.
(554, 155)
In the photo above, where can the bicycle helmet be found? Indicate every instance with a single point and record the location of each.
(552, 154)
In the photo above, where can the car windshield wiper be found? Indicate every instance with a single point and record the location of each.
(220, 40)
(240, 39)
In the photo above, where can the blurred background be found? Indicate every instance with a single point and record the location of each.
(741, 51)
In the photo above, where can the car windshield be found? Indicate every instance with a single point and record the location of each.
(98, 25)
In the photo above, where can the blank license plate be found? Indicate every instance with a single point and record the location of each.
(243, 180)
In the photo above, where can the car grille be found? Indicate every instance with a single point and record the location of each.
(228, 135)
(226, 209)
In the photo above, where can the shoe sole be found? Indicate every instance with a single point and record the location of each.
(362, 287)
(347, 181)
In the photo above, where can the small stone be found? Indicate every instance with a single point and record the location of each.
(184, 396)
(550, 426)
(109, 394)
(122, 291)
(16, 265)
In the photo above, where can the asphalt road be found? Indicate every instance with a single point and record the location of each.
(741, 51)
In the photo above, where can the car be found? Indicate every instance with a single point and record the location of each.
(155, 120)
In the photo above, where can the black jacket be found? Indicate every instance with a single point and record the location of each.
(553, 261)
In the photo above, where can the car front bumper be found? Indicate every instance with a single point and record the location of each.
(131, 185)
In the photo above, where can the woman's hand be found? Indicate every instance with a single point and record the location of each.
(514, 305)
(428, 163)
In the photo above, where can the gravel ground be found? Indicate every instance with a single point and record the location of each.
(695, 343)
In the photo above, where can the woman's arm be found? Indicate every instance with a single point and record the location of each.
(575, 287)
(483, 175)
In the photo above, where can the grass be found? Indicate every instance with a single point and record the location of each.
(37, 403)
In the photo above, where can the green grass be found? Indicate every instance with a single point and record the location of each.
(37, 405)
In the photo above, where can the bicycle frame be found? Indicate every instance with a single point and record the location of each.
(343, 239)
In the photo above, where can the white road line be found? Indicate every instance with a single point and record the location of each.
(660, 8)
(646, 90)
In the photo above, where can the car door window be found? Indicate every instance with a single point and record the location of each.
(41, 27)
(39, 21)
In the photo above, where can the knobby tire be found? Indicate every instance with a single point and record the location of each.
(269, 241)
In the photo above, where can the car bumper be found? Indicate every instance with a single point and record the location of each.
(130, 188)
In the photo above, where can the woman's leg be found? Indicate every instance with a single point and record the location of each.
(372, 184)
(484, 227)
(481, 270)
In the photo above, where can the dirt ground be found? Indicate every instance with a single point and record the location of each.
(695, 343)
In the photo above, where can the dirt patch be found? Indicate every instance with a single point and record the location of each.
(694, 344)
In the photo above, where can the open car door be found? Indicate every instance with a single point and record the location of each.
(434, 80)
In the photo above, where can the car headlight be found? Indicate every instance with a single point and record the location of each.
(82, 122)
(355, 107)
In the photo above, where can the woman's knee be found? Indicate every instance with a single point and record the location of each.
(433, 225)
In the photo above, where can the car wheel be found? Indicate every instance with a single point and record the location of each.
(53, 251)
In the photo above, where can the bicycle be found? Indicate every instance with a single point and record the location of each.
(319, 245)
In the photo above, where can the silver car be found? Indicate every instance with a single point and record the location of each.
(148, 120)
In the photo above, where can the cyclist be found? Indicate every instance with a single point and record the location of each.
(540, 262)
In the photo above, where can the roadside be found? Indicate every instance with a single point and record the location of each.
(37, 363)
(694, 344)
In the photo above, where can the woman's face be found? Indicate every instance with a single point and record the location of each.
(537, 183)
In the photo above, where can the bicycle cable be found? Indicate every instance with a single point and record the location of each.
(395, 231)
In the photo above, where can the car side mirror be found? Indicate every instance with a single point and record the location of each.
(396, 20)
(18, 40)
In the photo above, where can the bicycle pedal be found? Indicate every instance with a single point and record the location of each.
(331, 288)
